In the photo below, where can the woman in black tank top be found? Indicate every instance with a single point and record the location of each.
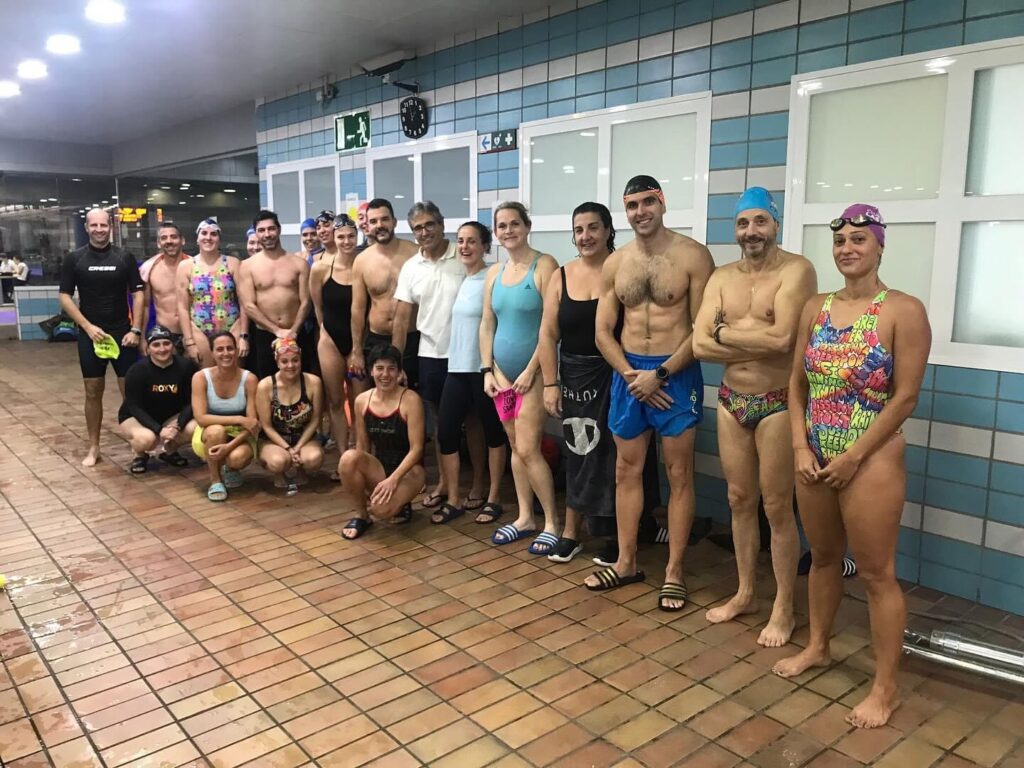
(330, 288)
(384, 472)
(577, 386)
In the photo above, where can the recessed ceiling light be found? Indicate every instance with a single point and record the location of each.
(164, 187)
(63, 45)
(76, 179)
(200, 195)
(229, 190)
(181, 202)
(32, 69)
(9, 89)
(104, 11)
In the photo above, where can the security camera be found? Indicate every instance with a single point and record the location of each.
(384, 65)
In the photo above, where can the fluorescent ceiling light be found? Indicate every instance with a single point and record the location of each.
(63, 45)
(9, 88)
(104, 11)
(32, 69)
(229, 190)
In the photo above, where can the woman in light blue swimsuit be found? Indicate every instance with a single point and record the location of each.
(509, 332)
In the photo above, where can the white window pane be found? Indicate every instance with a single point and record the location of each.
(446, 181)
(291, 243)
(558, 244)
(663, 147)
(906, 263)
(996, 165)
(320, 192)
(563, 172)
(393, 180)
(286, 196)
(989, 285)
(879, 142)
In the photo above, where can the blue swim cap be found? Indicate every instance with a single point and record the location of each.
(756, 197)
(307, 224)
(250, 232)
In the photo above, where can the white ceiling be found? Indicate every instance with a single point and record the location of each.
(173, 61)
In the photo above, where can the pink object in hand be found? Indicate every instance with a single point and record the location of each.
(508, 402)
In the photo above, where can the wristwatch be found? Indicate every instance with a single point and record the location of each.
(244, 336)
(661, 372)
(136, 331)
(487, 369)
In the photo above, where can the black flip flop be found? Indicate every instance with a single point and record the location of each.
(473, 503)
(139, 465)
(672, 591)
(446, 513)
(357, 524)
(402, 516)
(609, 579)
(174, 459)
(492, 511)
(565, 550)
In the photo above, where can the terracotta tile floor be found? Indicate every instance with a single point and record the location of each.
(145, 626)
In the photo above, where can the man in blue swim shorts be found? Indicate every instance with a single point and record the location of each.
(657, 283)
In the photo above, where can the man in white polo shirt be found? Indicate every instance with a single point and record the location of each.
(427, 286)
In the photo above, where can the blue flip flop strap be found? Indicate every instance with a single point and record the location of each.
(546, 538)
(507, 533)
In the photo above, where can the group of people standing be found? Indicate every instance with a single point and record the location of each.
(409, 339)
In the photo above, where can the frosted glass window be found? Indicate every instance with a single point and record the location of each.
(291, 243)
(663, 147)
(878, 142)
(286, 196)
(558, 244)
(906, 263)
(563, 172)
(996, 164)
(320, 192)
(393, 180)
(989, 285)
(446, 181)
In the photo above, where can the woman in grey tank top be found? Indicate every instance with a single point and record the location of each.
(224, 406)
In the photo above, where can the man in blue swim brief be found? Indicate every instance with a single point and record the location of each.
(657, 282)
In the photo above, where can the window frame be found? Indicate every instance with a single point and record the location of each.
(949, 211)
(695, 219)
(309, 164)
(416, 149)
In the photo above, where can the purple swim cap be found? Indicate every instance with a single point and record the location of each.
(861, 211)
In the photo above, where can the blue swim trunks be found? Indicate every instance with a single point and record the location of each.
(629, 418)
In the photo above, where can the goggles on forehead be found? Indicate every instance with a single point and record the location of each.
(860, 220)
(325, 216)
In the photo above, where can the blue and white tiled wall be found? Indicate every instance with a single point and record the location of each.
(963, 523)
(33, 305)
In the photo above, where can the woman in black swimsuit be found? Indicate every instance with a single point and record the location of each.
(289, 404)
(384, 472)
(330, 288)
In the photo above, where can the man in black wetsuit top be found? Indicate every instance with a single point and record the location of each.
(104, 275)
(157, 407)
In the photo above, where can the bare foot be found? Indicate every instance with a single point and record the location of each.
(92, 457)
(778, 631)
(875, 710)
(807, 658)
(730, 610)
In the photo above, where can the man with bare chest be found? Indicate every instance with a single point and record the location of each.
(658, 279)
(748, 322)
(374, 279)
(158, 274)
(274, 289)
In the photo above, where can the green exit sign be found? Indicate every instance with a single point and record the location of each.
(352, 131)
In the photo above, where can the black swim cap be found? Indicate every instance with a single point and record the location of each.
(641, 183)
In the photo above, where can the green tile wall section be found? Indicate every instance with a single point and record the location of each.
(963, 528)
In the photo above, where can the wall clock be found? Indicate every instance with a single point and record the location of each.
(415, 121)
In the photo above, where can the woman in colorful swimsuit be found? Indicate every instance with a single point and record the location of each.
(206, 295)
(860, 358)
